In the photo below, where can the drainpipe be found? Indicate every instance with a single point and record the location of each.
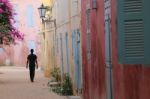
(108, 49)
(69, 33)
(108, 60)
(55, 47)
(43, 45)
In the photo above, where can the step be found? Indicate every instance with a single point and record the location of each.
(74, 97)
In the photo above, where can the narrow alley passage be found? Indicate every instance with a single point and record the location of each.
(15, 84)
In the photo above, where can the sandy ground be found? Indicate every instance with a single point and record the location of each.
(15, 84)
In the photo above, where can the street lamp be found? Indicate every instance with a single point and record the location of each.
(42, 11)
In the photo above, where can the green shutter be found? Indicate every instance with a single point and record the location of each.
(133, 31)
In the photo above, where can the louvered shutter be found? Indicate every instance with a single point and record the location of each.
(133, 31)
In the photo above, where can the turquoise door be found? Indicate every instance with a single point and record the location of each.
(1, 50)
(77, 58)
(67, 55)
(61, 51)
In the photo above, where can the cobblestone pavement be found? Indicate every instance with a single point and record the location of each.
(15, 84)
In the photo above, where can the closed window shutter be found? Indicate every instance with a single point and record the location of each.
(133, 31)
(30, 16)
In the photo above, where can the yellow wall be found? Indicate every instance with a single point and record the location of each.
(47, 2)
(48, 43)
(68, 21)
(67, 16)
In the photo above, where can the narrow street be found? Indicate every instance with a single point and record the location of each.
(15, 84)
(89, 49)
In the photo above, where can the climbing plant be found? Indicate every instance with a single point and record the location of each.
(8, 33)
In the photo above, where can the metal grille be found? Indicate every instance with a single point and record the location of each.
(134, 39)
(134, 6)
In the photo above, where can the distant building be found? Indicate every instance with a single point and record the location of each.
(28, 22)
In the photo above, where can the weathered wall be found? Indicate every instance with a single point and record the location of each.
(67, 15)
(93, 60)
(129, 81)
(47, 42)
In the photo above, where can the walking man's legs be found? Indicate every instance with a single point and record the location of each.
(32, 73)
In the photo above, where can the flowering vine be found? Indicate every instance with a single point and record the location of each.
(8, 33)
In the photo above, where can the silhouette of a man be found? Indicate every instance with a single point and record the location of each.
(31, 62)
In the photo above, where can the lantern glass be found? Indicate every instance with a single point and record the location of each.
(42, 11)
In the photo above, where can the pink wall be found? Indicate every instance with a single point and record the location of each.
(129, 81)
(20, 51)
(94, 85)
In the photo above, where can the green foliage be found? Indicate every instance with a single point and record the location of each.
(8, 33)
(65, 88)
(57, 90)
(67, 85)
(55, 73)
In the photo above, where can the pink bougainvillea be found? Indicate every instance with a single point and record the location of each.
(1, 10)
(8, 33)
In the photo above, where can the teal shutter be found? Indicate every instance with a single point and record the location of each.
(133, 31)
(30, 16)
